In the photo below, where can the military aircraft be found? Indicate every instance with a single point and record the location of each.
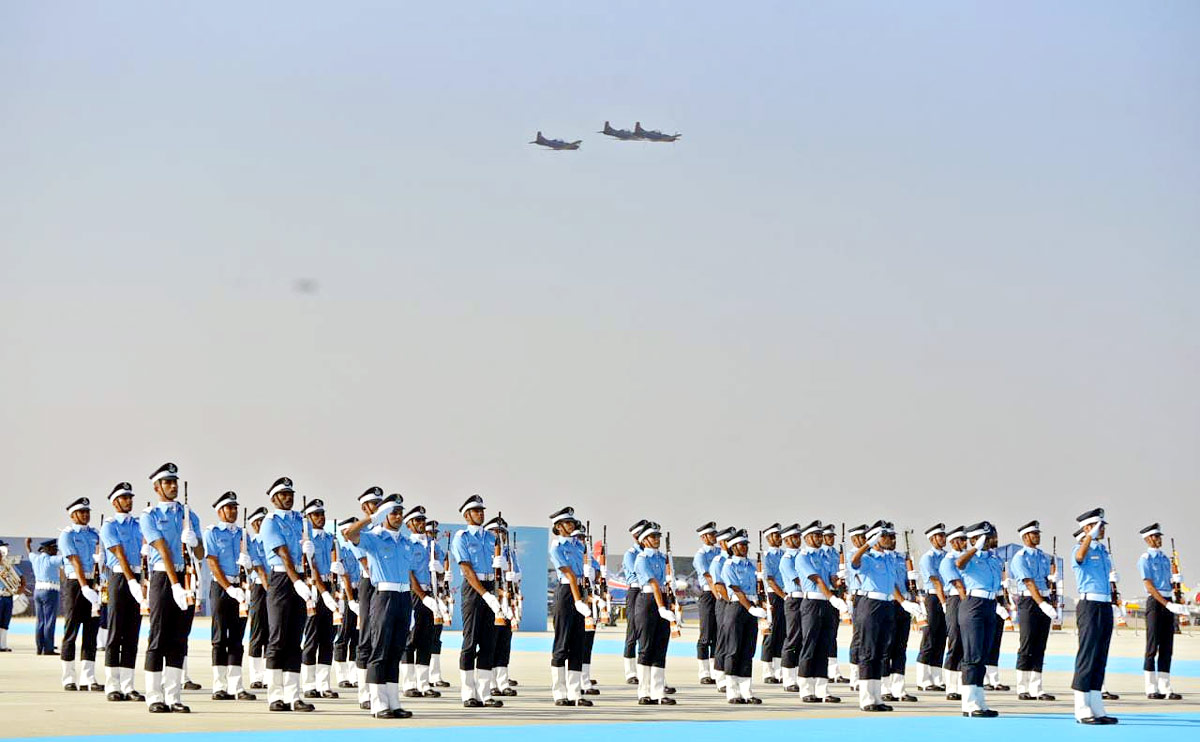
(556, 143)
(622, 134)
(652, 135)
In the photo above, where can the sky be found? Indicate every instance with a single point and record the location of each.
(923, 262)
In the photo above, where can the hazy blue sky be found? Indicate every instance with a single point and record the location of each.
(910, 260)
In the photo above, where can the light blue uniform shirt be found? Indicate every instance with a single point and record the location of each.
(702, 561)
(45, 567)
(740, 572)
(322, 557)
(875, 573)
(789, 580)
(78, 541)
(984, 571)
(389, 556)
(165, 521)
(418, 549)
(948, 569)
(122, 530)
(1031, 564)
(651, 564)
(930, 565)
(1155, 566)
(829, 557)
(771, 558)
(282, 528)
(349, 562)
(473, 546)
(258, 555)
(899, 571)
(628, 566)
(852, 580)
(716, 567)
(564, 552)
(810, 563)
(224, 542)
(1092, 575)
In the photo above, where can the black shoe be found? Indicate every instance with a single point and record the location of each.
(846, 681)
(414, 693)
(245, 696)
(1000, 688)
(771, 680)
(1044, 697)
(133, 695)
(329, 694)
(811, 699)
(832, 699)
(666, 702)
(438, 684)
(1109, 697)
(982, 714)
(191, 685)
(494, 703)
(258, 685)
(95, 688)
(1155, 696)
(158, 707)
(222, 696)
(1025, 697)
(5, 649)
(345, 684)
(586, 691)
(953, 696)
(989, 687)
(279, 706)
(668, 690)
(508, 692)
(431, 693)
(179, 708)
(1107, 720)
(401, 714)
(314, 693)
(888, 697)
(874, 708)
(515, 683)
(584, 702)
(1090, 721)
(472, 703)
(705, 681)
(643, 701)
(737, 700)
(633, 681)
(299, 705)
(754, 700)
(71, 687)
(938, 688)
(365, 705)
(885, 707)
(791, 689)
(907, 698)
(117, 696)
(385, 714)
(1174, 697)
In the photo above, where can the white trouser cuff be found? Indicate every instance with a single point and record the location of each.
(274, 685)
(219, 674)
(631, 670)
(392, 696)
(87, 673)
(323, 672)
(731, 689)
(1035, 683)
(969, 700)
(1083, 709)
(897, 684)
(768, 670)
(502, 676)
(574, 685)
(407, 682)
(485, 680)
(233, 679)
(466, 678)
(423, 678)
(291, 687)
(126, 677)
(821, 688)
(1151, 681)
(643, 676)
(154, 690)
(832, 670)
(864, 694)
(1096, 703)
(558, 682)
(376, 696)
(112, 680)
(777, 668)
(435, 668)
(791, 676)
(308, 677)
(363, 692)
(705, 668)
(744, 687)
(172, 685)
(1164, 683)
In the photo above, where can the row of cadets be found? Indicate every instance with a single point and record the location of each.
(571, 606)
(316, 648)
(348, 571)
(121, 538)
(632, 595)
(368, 502)
(414, 665)
(1030, 568)
(591, 568)
(741, 620)
(438, 565)
(933, 637)
(260, 621)
(288, 598)
(81, 601)
(223, 545)
(706, 606)
(834, 558)
(473, 551)
(503, 685)
(47, 566)
(654, 618)
(1154, 567)
(815, 572)
(716, 572)
(772, 646)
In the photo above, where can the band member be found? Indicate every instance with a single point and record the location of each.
(982, 575)
(857, 536)
(741, 620)
(11, 583)
(571, 606)
(816, 573)
(956, 593)
(705, 605)
(1155, 569)
(414, 667)
(480, 606)
(260, 621)
(933, 637)
(834, 556)
(347, 571)
(389, 554)
(1094, 577)
(121, 538)
(288, 598)
(223, 546)
(496, 529)
(716, 571)
(632, 594)
(368, 502)
(316, 647)
(81, 602)
(438, 565)
(793, 604)
(654, 619)
(1030, 567)
(772, 646)
(47, 582)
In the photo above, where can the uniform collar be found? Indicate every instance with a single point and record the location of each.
(806, 549)
(1153, 550)
(737, 559)
(166, 505)
(280, 513)
(76, 528)
(474, 530)
(121, 517)
(225, 526)
(649, 550)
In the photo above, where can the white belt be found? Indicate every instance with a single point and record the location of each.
(1029, 594)
(857, 592)
(426, 588)
(985, 594)
(877, 596)
(392, 587)
(563, 581)
(159, 567)
(797, 595)
(815, 596)
(1096, 597)
(280, 568)
(39, 585)
(706, 588)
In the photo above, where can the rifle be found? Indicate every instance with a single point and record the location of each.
(446, 578)
(244, 576)
(602, 578)
(909, 582)
(764, 624)
(669, 593)
(335, 557)
(145, 609)
(189, 568)
(518, 600)
(97, 574)
(438, 594)
(310, 607)
(1054, 584)
(1116, 594)
(840, 590)
(498, 581)
(1177, 587)
(589, 586)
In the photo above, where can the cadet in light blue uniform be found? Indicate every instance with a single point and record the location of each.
(772, 646)
(705, 605)
(259, 619)
(47, 585)
(933, 638)
(873, 613)
(654, 619)
(982, 578)
(121, 538)
(722, 599)
(438, 566)
(223, 544)
(474, 552)
(414, 667)
(1030, 569)
(1093, 617)
(952, 585)
(834, 557)
(316, 647)
(857, 536)
(632, 593)
(741, 619)
(502, 685)
(368, 502)
(893, 668)
(793, 605)
(816, 571)
(1154, 567)
(81, 602)
(348, 572)
(570, 609)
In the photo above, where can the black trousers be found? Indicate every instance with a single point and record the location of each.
(772, 645)
(953, 637)
(228, 628)
(897, 649)
(568, 631)
(436, 647)
(834, 622)
(420, 639)
(316, 643)
(345, 640)
(631, 617)
(1094, 621)
(1035, 632)
(706, 644)
(259, 621)
(479, 632)
(793, 611)
(169, 626)
(391, 612)
(855, 623)
(721, 641)
(654, 633)
(503, 646)
(741, 635)
(78, 622)
(993, 655)
(287, 617)
(977, 630)
(876, 618)
(589, 641)
(933, 637)
(124, 623)
(1160, 637)
(818, 635)
(366, 591)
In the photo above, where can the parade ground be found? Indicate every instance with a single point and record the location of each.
(33, 707)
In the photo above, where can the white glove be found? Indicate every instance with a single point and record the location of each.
(666, 614)
(353, 604)
(1177, 579)
(1010, 585)
(508, 612)
(757, 612)
(236, 593)
(437, 566)
(337, 569)
(914, 575)
(1048, 609)
(1179, 609)
(308, 549)
(430, 603)
(874, 539)
(303, 590)
(839, 604)
(147, 550)
(1113, 576)
(330, 603)
(180, 596)
(492, 602)
(980, 543)
(583, 608)
(841, 573)
(510, 576)
(91, 595)
(910, 607)
(135, 589)
(244, 561)
(588, 572)
(1052, 578)
(1002, 612)
(189, 538)
(497, 562)
(758, 576)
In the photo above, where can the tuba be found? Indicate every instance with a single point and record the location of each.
(10, 579)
